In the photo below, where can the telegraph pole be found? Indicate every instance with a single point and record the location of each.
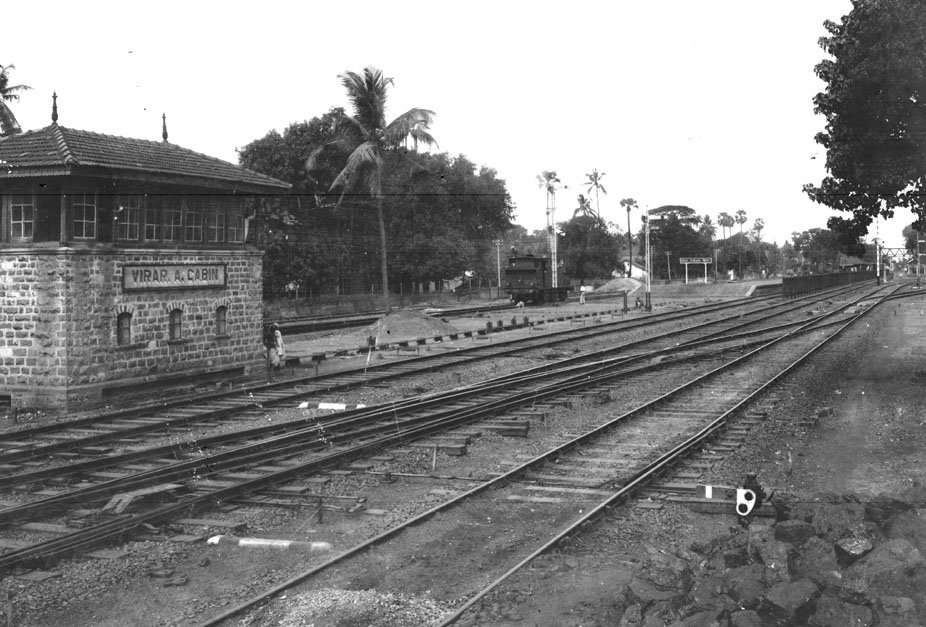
(498, 254)
(918, 269)
(649, 264)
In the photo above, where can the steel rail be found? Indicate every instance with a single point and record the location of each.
(458, 357)
(654, 468)
(579, 365)
(554, 337)
(515, 472)
(423, 426)
(581, 375)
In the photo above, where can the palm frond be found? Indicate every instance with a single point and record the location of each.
(7, 92)
(414, 123)
(8, 123)
(312, 159)
(364, 156)
(348, 127)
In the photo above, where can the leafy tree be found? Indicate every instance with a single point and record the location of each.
(326, 245)
(817, 247)
(594, 183)
(677, 230)
(367, 137)
(447, 200)
(875, 136)
(588, 250)
(9, 93)
(910, 237)
(303, 237)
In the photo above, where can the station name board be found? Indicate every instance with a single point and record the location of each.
(696, 260)
(186, 276)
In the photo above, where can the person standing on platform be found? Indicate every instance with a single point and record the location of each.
(278, 345)
(582, 293)
(276, 352)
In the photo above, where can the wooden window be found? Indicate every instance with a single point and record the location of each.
(83, 212)
(176, 324)
(22, 216)
(236, 223)
(221, 326)
(128, 217)
(193, 220)
(215, 221)
(172, 214)
(124, 329)
(152, 213)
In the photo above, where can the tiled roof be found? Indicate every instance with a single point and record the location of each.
(56, 149)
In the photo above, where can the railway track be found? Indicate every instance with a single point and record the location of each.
(93, 434)
(265, 461)
(182, 424)
(292, 486)
(589, 474)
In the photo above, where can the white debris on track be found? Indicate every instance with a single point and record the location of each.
(357, 607)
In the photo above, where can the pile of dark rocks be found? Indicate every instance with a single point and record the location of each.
(834, 561)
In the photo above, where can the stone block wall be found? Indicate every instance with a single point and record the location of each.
(60, 349)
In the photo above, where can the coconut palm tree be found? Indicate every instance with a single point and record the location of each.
(594, 183)
(726, 222)
(707, 228)
(584, 208)
(367, 137)
(741, 220)
(757, 227)
(8, 93)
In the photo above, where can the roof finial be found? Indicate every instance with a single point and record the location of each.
(54, 107)
(164, 126)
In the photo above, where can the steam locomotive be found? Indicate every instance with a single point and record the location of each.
(529, 279)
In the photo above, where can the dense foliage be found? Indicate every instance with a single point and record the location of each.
(875, 108)
(442, 215)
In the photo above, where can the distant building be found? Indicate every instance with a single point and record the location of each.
(123, 262)
(637, 271)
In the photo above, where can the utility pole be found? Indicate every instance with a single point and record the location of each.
(629, 246)
(668, 265)
(918, 269)
(649, 264)
(498, 253)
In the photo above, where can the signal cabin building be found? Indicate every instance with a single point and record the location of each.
(123, 263)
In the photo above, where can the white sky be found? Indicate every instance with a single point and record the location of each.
(699, 103)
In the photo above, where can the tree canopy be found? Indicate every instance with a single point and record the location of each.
(8, 93)
(875, 109)
(442, 215)
(367, 138)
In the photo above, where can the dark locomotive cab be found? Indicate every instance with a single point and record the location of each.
(529, 279)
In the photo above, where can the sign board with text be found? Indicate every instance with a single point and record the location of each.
(696, 260)
(173, 276)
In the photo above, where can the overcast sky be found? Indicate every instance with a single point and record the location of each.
(700, 103)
